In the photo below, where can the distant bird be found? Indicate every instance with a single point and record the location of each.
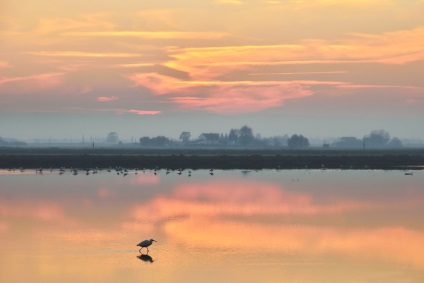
(146, 244)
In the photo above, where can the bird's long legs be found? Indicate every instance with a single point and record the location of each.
(144, 247)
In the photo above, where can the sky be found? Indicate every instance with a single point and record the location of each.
(321, 68)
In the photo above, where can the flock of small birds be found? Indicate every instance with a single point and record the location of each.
(120, 171)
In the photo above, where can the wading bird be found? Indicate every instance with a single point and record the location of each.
(146, 244)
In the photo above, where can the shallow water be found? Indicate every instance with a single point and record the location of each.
(232, 226)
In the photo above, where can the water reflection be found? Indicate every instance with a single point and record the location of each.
(145, 258)
(364, 223)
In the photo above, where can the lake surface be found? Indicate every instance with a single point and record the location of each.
(232, 226)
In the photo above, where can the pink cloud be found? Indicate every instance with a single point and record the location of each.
(224, 96)
(119, 111)
(106, 98)
(143, 112)
(243, 98)
(29, 83)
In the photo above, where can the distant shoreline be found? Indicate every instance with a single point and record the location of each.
(27, 158)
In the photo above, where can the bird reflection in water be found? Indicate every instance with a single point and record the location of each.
(145, 258)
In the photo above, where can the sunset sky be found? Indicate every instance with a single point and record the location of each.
(321, 68)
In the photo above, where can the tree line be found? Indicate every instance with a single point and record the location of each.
(242, 137)
(245, 137)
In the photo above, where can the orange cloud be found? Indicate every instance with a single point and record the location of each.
(353, 86)
(232, 2)
(57, 25)
(149, 34)
(82, 54)
(299, 73)
(205, 90)
(137, 65)
(389, 48)
(385, 48)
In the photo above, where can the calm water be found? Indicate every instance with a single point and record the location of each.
(234, 226)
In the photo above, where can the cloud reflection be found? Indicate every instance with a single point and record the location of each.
(392, 244)
(229, 197)
(222, 214)
(42, 211)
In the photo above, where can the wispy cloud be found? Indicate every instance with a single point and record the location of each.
(106, 98)
(144, 112)
(389, 48)
(118, 111)
(356, 86)
(149, 34)
(82, 54)
(205, 89)
(29, 83)
(299, 73)
(58, 25)
(227, 97)
(137, 65)
(231, 2)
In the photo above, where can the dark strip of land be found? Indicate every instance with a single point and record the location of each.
(211, 158)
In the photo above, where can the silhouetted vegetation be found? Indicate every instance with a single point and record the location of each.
(10, 142)
(297, 141)
(348, 142)
(159, 141)
(381, 138)
(13, 157)
(243, 137)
